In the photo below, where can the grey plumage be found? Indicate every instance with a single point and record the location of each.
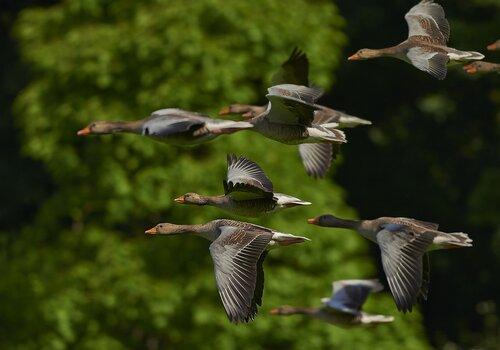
(317, 157)
(245, 175)
(344, 307)
(294, 113)
(403, 242)
(235, 254)
(247, 191)
(238, 250)
(402, 252)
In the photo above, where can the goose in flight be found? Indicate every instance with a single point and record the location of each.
(170, 125)
(343, 308)
(238, 251)
(426, 47)
(295, 70)
(247, 191)
(289, 119)
(315, 157)
(402, 243)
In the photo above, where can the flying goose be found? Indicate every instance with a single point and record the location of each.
(238, 251)
(170, 125)
(343, 308)
(289, 118)
(247, 191)
(315, 157)
(402, 243)
(426, 47)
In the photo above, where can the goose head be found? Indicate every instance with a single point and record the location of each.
(166, 228)
(98, 128)
(191, 198)
(326, 220)
(365, 54)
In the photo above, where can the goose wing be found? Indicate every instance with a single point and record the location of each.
(428, 22)
(292, 104)
(295, 70)
(236, 254)
(170, 121)
(402, 250)
(317, 157)
(430, 61)
(246, 179)
(350, 295)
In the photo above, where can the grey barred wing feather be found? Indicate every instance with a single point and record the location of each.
(419, 223)
(402, 251)
(427, 19)
(292, 104)
(432, 62)
(246, 179)
(236, 254)
(295, 70)
(300, 93)
(350, 295)
(171, 121)
(317, 157)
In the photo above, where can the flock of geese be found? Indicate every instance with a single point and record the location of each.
(293, 117)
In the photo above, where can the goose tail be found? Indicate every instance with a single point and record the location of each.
(367, 319)
(465, 56)
(350, 121)
(286, 201)
(284, 239)
(452, 240)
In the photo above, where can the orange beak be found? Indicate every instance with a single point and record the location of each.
(84, 132)
(225, 111)
(180, 200)
(312, 221)
(151, 231)
(354, 57)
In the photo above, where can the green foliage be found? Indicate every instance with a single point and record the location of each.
(83, 275)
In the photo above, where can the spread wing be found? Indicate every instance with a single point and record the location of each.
(427, 19)
(402, 252)
(236, 254)
(295, 70)
(170, 121)
(432, 62)
(317, 157)
(350, 295)
(246, 179)
(292, 104)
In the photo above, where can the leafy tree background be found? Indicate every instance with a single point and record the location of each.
(77, 270)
